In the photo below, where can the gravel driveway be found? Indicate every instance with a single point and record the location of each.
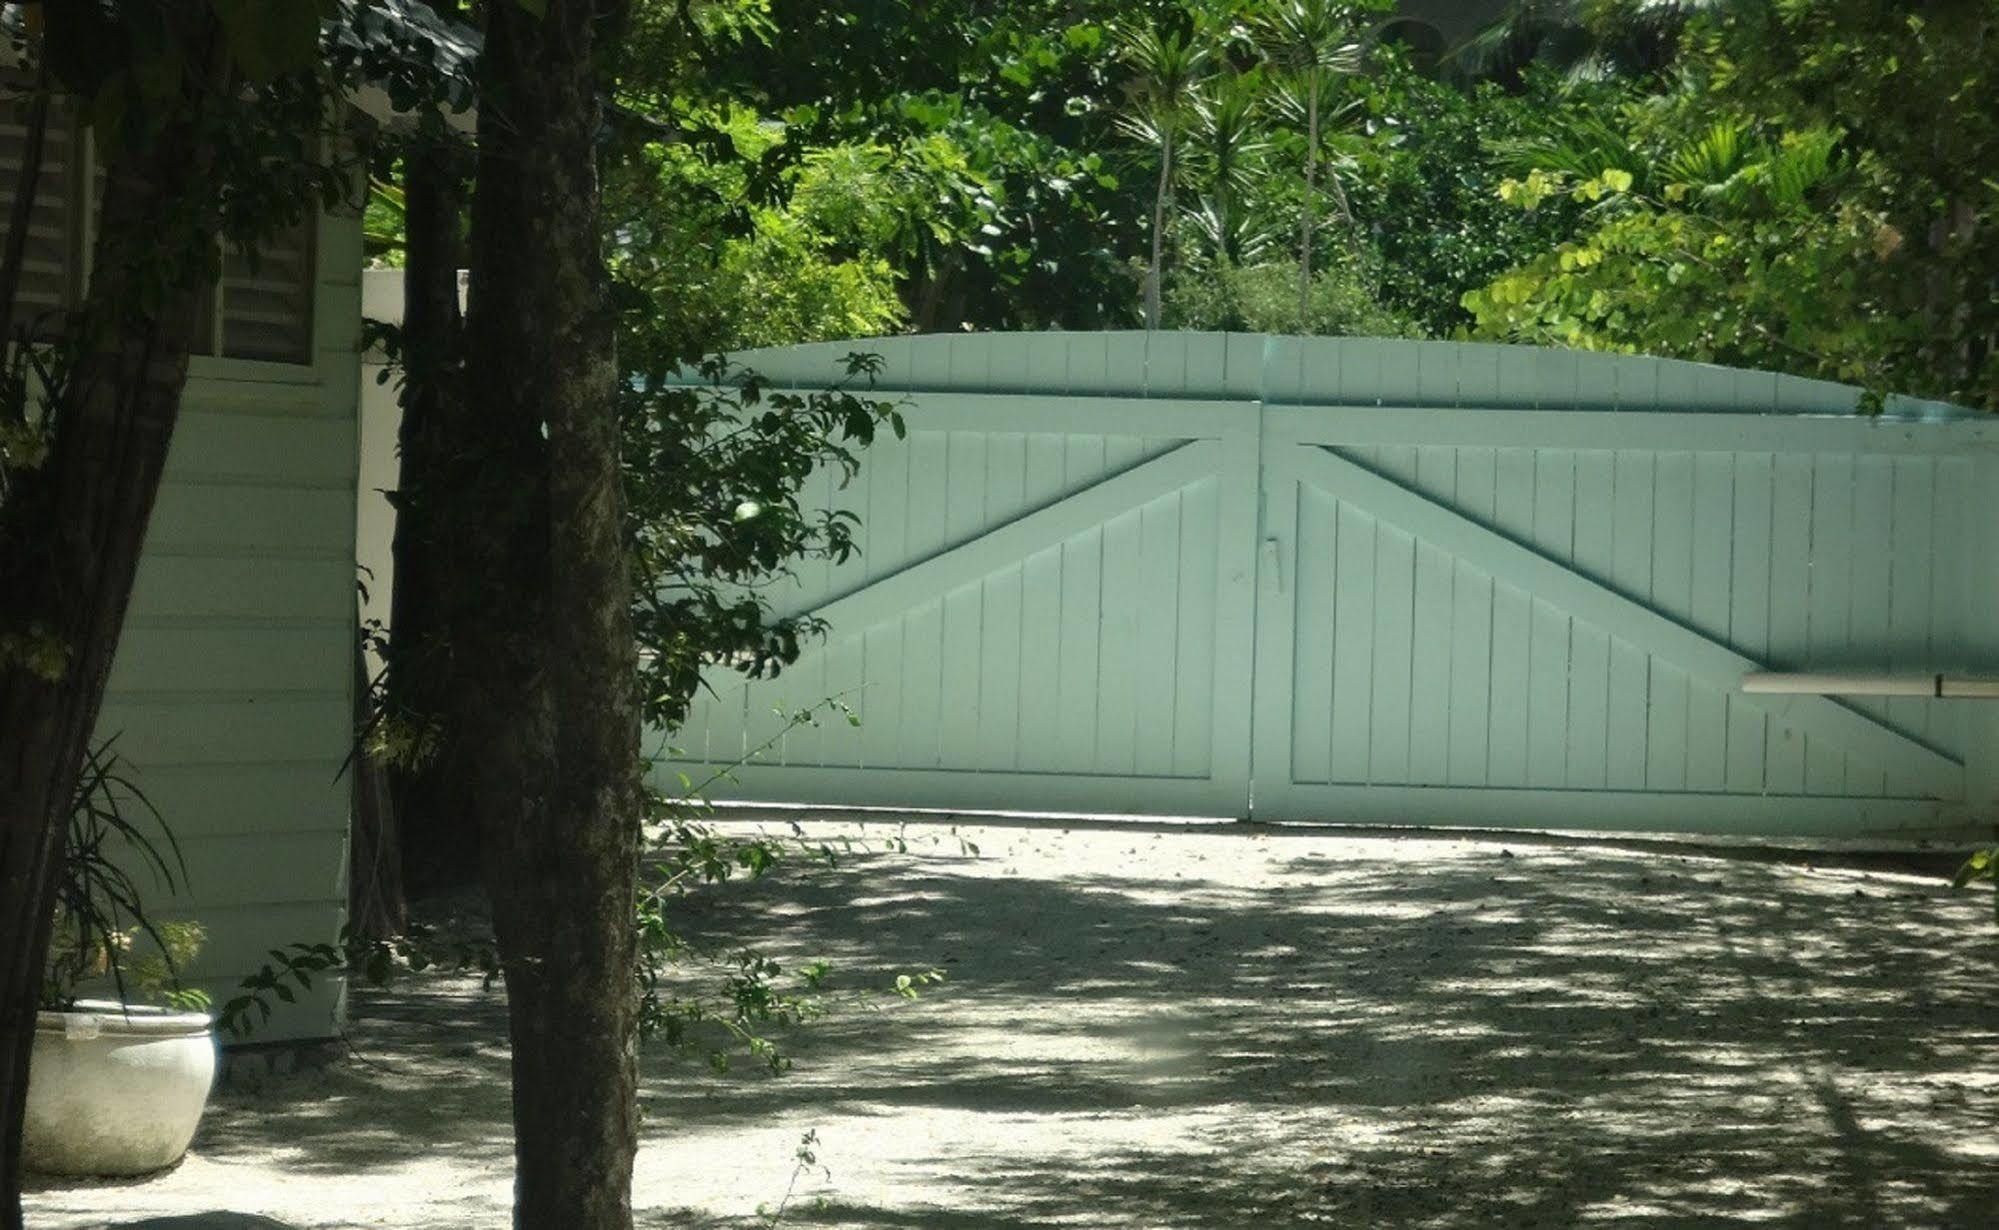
(1193, 1027)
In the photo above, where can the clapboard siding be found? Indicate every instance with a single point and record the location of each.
(1479, 584)
(246, 800)
(231, 696)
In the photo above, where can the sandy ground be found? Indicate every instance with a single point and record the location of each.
(1157, 1028)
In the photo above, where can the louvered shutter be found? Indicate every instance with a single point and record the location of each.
(267, 300)
(49, 266)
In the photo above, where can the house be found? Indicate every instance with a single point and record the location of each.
(231, 699)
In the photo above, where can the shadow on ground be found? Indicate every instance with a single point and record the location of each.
(1156, 1030)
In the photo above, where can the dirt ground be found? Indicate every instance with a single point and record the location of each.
(1157, 1027)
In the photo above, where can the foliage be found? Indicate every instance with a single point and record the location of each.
(992, 120)
(757, 995)
(100, 911)
(1981, 865)
(703, 264)
(1814, 195)
(715, 473)
(1263, 298)
(1425, 185)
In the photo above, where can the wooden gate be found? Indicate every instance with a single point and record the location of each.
(1384, 582)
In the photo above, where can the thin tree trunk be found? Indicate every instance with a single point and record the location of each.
(1311, 189)
(1156, 272)
(376, 908)
(439, 834)
(555, 710)
(70, 536)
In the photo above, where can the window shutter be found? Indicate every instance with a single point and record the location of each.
(267, 299)
(49, 263)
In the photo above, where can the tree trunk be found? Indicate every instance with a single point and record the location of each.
(439, 834)
(376, 907)
(1156, 271)
(1311, 187)
(21, 216)
(554, 709)
(70, 535)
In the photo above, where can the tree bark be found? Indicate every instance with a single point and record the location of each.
(1155, 272)
(21, 216)
(70, 535)
(1310, 220)
(554, 709)
(376, 906)
(439, 835)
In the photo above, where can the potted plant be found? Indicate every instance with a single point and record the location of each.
(117, 1080)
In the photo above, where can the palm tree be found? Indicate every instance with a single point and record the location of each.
(1167, 67)
(1229, 142)
(1311, 40)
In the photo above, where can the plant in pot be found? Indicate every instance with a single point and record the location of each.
(124, 1055)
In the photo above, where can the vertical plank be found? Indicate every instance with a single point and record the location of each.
(1158, 634)
(1711, 603)
(1508, 702)
(1046, 478)
(1310, 593)
(1118, 661)
(1749, 613)
(840, 740)
(1082, 589)
(965, 487)
(961, 700)
(1868, 626)
(1589, 646)
(1830, 602)
(1471, 673)
(1006, 477)
(1555, 504)
(1194, 655)
(1475, 482)
(1672, 594)
(1673, 535)
(925, 508)
(885, 523)
(1911, 573)
(1432, 667)
(1000, 670)
(1627, 735)
(1394, 613)
(1041, 663)
(1436, 580)
(880, 703)
(922, 686)
(1790, 608)
(1513, 493)
(1666, 728)
(1548, 696)
(1353, 646)
(1953, 544)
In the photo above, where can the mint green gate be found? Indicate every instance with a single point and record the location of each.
(1384, 582)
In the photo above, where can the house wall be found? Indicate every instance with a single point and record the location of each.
(232, 693)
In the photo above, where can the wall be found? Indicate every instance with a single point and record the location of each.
(232, 692)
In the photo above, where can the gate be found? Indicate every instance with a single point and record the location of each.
(1382, 582)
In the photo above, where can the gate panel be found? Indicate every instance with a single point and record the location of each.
(1045, 616)
(1555, 636)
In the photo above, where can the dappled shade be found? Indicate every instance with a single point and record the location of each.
(1152, 1027)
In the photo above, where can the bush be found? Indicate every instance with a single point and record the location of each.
(1263, 298)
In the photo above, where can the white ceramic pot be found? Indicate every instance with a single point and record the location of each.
(115, 1090)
